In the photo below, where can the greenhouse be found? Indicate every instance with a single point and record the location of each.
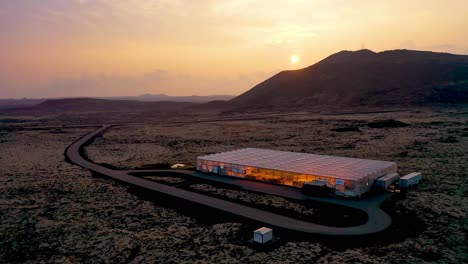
(344, 176)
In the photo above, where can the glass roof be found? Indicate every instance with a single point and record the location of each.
(320, 165)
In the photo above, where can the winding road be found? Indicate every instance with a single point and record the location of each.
(378, 220)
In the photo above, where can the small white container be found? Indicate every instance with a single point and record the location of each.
(263, 235)
(410, 180)
(385, 181)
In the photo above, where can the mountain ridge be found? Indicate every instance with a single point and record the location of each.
(29, 102)
(87, 105)
(365, 78)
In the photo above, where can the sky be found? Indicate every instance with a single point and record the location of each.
(67, 48)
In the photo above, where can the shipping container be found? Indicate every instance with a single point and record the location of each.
(263, 235)
(410, 180)
(385, 181)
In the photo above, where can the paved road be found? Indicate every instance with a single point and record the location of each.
(376, 223)
(377, 218)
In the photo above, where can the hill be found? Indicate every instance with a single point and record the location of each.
(168, 98)
(81, 105)
(365, 78)
(18, 103)
(22, 103)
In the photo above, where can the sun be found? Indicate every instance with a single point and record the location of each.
(294, 59)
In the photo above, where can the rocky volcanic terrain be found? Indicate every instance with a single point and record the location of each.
(51, 211)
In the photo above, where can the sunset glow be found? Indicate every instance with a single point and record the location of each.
(56, 48)
(294, 59)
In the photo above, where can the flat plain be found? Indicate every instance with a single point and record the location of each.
(52, 211)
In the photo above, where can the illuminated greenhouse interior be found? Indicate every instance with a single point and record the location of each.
(346, 176)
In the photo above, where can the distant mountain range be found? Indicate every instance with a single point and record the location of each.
(83, 105)
(22, 103)
(164, 97)
(364, 78)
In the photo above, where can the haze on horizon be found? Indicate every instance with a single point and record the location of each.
(60, 48)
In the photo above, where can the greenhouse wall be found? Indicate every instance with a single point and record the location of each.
(346, 176)
(341, 186)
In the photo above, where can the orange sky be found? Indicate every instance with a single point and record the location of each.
(55, 48)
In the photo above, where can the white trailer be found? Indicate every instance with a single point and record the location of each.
(263, 235)
(385, 181)
(410, 180)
